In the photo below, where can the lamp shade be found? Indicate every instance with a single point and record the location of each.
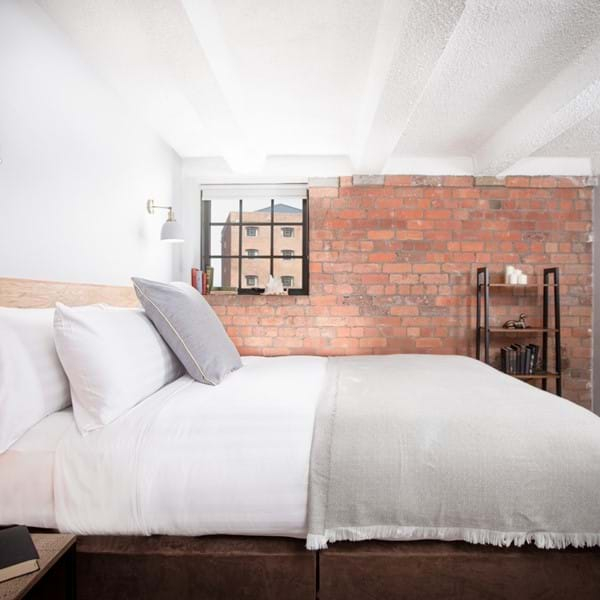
(171, 231)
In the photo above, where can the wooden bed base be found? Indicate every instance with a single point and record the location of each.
(229, 568)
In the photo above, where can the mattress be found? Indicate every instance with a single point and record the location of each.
(194, 459)
(27, 473)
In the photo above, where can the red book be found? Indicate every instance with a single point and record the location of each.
(195, 277)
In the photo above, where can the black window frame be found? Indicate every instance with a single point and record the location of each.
(206, 223)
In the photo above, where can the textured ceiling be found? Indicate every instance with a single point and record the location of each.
(362, 85)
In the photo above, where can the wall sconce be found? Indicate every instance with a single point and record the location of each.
(171, 230)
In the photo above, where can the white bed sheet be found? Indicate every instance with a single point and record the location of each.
(194, 459)
(27, 473)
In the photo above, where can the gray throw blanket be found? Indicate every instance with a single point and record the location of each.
(412, 447)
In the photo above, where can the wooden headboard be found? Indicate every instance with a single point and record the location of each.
(28, 293)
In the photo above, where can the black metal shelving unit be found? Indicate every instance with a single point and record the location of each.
(484, 331)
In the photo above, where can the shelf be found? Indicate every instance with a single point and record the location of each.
(519, 285)
(548, 375)
(547, 301)
(527, 330)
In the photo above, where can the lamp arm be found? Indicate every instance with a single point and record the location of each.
(150, 206)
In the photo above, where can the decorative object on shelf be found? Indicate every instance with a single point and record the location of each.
(274, 287)
(210, 274)
(171, 231)
(520, 324)
(513, 276)
(527, 367)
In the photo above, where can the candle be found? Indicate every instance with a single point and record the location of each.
(513, 278)
(522, 279)
(508, 271)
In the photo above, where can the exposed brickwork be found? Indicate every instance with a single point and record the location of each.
(393, 268)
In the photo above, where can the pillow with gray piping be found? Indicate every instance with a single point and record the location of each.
(190, 327)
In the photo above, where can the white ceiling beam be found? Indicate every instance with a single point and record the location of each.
(568, 99)
(411, 37)
(244, 155)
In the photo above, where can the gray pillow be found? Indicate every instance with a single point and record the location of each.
(190, 327)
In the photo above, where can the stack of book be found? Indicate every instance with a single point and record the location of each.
(518, 359)
(202, 280)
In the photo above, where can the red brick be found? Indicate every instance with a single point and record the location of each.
(380, 235)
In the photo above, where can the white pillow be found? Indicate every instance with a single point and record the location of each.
(32, 381)
(114, 358)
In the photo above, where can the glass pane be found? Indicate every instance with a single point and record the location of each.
(224, 210)
(256, 238)
(224, 240)
(287, 239)
(290, 272)
(283, 205)
(255, 272)
(288, 209)
(221, 273)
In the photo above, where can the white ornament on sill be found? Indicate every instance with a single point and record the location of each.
(274, 287)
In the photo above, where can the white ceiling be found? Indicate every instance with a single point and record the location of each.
(354, 86)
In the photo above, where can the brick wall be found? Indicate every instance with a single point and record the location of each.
(393, 263)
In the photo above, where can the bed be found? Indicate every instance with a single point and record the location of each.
(251, 480)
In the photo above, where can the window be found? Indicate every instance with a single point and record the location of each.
(242, 244)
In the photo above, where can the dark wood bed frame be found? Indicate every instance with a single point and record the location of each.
(230, 568)
(257, 568)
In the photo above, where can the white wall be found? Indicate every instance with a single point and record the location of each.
(77, 166)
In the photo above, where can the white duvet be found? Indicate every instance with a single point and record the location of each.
(195, 459)
(475, 449)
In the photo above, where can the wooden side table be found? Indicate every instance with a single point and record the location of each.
(56, 576)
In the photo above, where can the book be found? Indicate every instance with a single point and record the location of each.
(18, 555)
(195, 278)
(528, 351)
(210, 274)
(535, 350)
(517, 358)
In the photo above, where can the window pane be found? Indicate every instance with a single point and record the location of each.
(221, 275)
(282, 203)
(293, 243)
(291, 208)
(223, 211)
(255, 272)
(224, 240)
(290, 269)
